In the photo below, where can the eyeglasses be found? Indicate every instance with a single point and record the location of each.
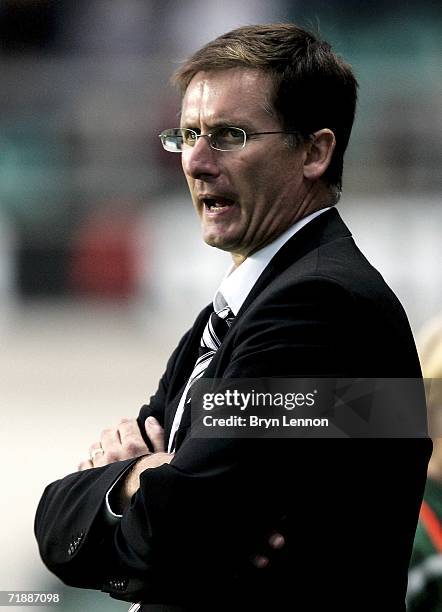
(177, 140)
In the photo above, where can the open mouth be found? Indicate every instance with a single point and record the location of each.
(217, 204)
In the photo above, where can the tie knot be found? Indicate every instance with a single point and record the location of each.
(216, 329)
(221, 321)
(225, 313)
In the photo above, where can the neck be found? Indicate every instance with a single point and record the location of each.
(316, 198)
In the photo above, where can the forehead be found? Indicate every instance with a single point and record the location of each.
(227, 95)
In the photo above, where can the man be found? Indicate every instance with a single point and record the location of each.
(266, 116)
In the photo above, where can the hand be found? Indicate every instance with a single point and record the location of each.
(276, 541)
(131, 483)
(124, 442)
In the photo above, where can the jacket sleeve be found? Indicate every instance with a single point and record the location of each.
(69, 526)
(71, 533)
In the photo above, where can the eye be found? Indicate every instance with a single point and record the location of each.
(229, 134)
(190, 136)
(228, 138)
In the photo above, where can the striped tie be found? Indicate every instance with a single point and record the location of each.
(216, 328)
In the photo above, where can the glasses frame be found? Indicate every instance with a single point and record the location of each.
(210, 137)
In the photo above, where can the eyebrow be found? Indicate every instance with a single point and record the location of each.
(243, 123)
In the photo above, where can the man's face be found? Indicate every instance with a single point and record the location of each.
(244, 198)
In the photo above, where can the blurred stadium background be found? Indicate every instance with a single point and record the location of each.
(99, 247)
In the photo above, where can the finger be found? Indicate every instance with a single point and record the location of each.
(110, 439)
(276, 541)
(260, 562)
(85, 465)
(155, 434)
(96, 454)
(111, 444)
(131, 439)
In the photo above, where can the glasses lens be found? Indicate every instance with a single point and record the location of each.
(228, 138)
(189, 137)
(222, 139)
(176, 139)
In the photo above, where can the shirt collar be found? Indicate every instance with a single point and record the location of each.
(238, 282)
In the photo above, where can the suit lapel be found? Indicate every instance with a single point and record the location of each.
(184, 366)
(325, 228)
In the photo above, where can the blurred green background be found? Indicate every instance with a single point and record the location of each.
(99, 247)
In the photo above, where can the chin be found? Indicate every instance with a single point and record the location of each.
(218, 242)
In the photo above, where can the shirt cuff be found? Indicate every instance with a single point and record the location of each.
(111, 516)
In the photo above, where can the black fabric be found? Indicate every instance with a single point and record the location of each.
(348, 508)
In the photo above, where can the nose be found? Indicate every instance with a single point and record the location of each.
(200, 161)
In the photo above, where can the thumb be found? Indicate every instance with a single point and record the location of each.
(155, 433)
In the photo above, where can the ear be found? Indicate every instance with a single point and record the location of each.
(319, 153)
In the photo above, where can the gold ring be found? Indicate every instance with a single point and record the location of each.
(97, 451)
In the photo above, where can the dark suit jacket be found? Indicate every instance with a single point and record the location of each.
(348, 507)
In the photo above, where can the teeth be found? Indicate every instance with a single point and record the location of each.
(215, 205)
